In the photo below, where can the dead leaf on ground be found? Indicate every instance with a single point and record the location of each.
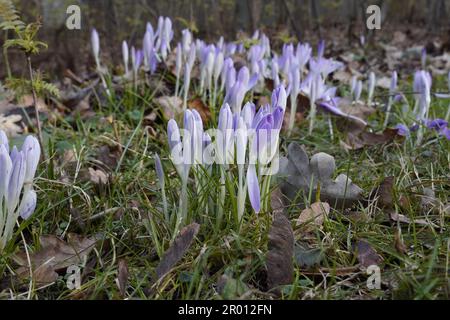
(171, 106)
(384, 193)
(27, 101)
(122, 276)
(201, 108)
(368, 139)
(177, 250)
(98, 176)
(307, 257)
(313, 217)
(9, 124)
(279, 258)
(277, 201)
(298, 174)
(367, 256)
(54, 255)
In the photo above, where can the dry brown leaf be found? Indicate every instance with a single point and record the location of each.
(98, 176)
(367, 139)
(27, 101)
(122, 276)
(177, 250)
(313, 217)
(384, 193)
(54, 255)
(277, 201)
(279, 259)
(367, 256)
(9, 125)
(201, 108)
(171, 106)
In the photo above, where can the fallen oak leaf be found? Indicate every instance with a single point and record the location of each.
(280, 267)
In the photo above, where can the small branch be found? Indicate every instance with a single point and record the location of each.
(36, 109)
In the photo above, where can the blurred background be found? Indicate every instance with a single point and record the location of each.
(340, 21)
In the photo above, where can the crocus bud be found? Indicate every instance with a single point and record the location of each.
(95, 42)
(279, 98)
(125, 55)
(394, 80)
(372, 83)
(28, 204)
(32, 152)
(253, 188)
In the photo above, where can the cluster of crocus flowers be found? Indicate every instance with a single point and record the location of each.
(421, 111)
(244, 137)
(156, 45)
(17, 196)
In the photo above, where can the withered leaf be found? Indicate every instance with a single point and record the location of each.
(177, 250)
(277, 201)
(122, 276)
(384, 193)
(280, 267)
(355, 141)
(313, 217)
(54, 255)
(366, 255)
(299, 174)
(307, 257)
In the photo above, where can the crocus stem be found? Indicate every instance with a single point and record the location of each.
(312, 116)
(293, 113)
(330, 127)
(164, 199)
(388, 113)
(447, 116)
(177, 84)
(182, 211)
(221, 197)
(36, 109)
(241, 195)
(186, 91)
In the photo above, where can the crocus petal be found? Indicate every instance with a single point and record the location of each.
(28, 204)
(16, 180)
(253, 188)
(95, 42)
(5, 170)
(402, 130)
(4, 140)
(32, 152)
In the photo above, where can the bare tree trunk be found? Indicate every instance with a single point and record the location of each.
(254, 8)
(315, 16)
(292, 20)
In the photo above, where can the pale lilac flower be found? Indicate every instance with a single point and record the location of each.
(95, 42)
(254, 193)
(17, 197)
(125, 56)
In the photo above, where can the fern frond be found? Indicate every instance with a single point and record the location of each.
(9, 16)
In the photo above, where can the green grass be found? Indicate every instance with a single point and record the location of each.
(137, 232)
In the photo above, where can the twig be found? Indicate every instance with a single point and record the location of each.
(36, 109)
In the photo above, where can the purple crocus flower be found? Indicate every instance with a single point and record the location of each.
(436, 124)
(125, 56)
(402, 130)
(17, 197)
(253, 188)
(95, 42)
